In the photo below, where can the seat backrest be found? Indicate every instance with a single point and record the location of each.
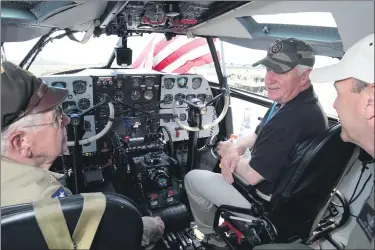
(121, 225)
(309, 177)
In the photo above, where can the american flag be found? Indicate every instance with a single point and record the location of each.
(178, 55)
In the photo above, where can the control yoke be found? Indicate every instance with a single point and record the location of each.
(75, 119)
(197, 108)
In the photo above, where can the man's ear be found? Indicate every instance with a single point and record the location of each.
(306, 77)
(20, 143)
(370, 102)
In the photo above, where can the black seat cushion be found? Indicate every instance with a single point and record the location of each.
(121, 226)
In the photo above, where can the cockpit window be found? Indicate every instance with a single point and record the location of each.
(322, 19)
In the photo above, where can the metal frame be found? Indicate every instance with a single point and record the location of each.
(35, 47)
(227, 123)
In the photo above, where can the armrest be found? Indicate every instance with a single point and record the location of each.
(249, 192)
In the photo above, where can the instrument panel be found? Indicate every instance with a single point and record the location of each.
(188, 86)
(148, 91)
(80, 95)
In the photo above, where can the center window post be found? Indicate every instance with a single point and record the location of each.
(227, 123)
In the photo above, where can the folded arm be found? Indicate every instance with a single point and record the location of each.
(245, 143)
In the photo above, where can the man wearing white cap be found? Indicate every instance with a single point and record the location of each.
(353, 78)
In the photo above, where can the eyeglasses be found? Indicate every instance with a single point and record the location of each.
(58, 119)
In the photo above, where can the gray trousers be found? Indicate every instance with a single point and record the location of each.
(207, 191)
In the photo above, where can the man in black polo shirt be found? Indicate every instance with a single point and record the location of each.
(295, 115)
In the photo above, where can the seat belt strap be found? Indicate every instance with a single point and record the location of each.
(92, 212)
(52, 224)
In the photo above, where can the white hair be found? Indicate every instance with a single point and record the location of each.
(302, 69)
(28, 120)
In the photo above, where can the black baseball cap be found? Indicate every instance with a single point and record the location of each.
(23, 94)
(285, 55)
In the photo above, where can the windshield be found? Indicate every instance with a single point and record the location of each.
(179, 55)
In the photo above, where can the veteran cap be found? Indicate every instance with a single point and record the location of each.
(284, 55)
(22, 94)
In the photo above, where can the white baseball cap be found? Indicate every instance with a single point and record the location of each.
(358, 62)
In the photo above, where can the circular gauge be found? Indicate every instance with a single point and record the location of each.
(150, 81)
(208, 98)
(201, 97)
(83, 103)
(168, 99)
(190, 97)
(137, 81)
(79, 87)
(61, 85)
(119, 96)
(148, 95)
(87, 126)
(182, 117)
(168, 83)
(103, 96)
(135, 95)
(196, 82)
(181, 82)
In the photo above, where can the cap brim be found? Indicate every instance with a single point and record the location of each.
(330, 73)
(52, 98)
(272, 64)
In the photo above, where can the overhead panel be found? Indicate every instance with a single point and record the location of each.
(354, 19)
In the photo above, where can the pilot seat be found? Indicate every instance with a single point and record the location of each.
(297, 209)
(106, 221)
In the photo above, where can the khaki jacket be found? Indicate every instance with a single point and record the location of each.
(24, 184)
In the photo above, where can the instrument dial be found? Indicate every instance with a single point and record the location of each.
(61, 85)
(148, 95)
(87, 126)
(182, 97)
(168, 98)
(150, 81)
(135, 95)
(83, 103)
(196, 82)
(137, 82)
(208, 98)
(119, 96)
(169, 83)
(183, 117)
(182, 82)
(103, 96)
(79, 87)
(190, 97)
(201, 97)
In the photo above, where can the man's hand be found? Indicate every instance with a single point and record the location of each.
(153, 230)
(229, 159)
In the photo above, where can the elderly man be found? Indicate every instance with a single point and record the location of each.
(33, 135)
(354, 83)
(295, 115)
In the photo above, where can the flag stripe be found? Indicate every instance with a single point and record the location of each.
(143, 55)
(202, 60)
(191, 55)
(175, 55)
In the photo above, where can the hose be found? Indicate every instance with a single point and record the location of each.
(170, 142)
(102, 133)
